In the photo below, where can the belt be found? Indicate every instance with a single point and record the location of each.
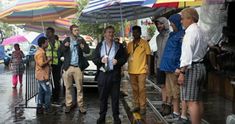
(74, 65)
(201, 62)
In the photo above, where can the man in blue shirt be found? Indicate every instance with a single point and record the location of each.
(72, 49)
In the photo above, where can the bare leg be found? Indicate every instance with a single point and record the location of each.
(194, 107)
(184, 109)
(164, 97)
(176, 105)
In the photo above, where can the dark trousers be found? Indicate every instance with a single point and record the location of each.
(56, 69)
(107, 87)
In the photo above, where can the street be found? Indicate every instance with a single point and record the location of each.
(10, 98)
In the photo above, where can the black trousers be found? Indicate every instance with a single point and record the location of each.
(107, 86)
(56, 69)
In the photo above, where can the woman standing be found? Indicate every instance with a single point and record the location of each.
(17, 65)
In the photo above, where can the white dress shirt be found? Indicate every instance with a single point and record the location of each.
(194, 46)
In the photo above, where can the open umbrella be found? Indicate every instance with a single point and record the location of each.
(25, 11)
(108, 11)
(14, 39)
(35, 40)
(177, 3)
(61, 26)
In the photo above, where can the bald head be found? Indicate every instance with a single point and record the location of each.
(190, 13)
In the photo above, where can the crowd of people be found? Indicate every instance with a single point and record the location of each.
(180, 69)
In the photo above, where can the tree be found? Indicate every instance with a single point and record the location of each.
(94, 30)
(6, 30)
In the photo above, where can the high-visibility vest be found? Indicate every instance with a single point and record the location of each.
(53, 52)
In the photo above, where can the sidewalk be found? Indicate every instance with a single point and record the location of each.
(216, 108)
(136, 118)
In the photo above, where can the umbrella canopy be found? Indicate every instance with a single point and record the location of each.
(35, 40)
(25, 11)
(102, 11)
(61, 26)
(14, 39)
(177, 3)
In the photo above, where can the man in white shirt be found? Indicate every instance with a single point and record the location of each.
(192, 71)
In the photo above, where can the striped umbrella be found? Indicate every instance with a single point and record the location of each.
(183, 3)
(25, 11)
(61, 26)
(103, 11)
(177, 3)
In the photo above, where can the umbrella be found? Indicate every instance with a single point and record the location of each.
(177, 3)
(61, 26)
(14, 39)
(25, 11)
(35, 40)
(103, 11)
(106, 11)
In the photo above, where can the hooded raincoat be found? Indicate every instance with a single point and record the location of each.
(171, 55)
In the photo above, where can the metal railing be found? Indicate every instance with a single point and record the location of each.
(31, 87)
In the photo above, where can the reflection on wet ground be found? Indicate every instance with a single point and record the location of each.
(13, 97)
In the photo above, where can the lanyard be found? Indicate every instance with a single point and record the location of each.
(107, 53)
(135, 45)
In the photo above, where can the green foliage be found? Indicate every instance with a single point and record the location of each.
(94, 30)
(151, 30)
(7, 30)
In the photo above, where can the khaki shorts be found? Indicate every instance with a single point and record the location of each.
(172, 88)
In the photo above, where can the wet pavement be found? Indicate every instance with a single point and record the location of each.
(215, 112)
(10, 98)
(216, 108)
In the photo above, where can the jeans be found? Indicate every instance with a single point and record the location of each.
(44, 94)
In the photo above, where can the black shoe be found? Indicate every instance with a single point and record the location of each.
(167, 110)
(67, 109)
(39, 110)
(100, 121)
(117, 120)
(48, 112)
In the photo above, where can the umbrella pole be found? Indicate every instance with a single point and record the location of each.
(42, 25)
(122, 23)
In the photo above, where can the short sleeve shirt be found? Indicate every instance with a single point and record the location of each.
(137, 60)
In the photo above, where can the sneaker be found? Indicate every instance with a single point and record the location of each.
(67, 109)
(172, 117)
(117, 120)
(181, 121)
(21, 85)
(82, 110)
(167, 110)
(135, 109)
(14, 86)
(142, 111)
(100, 121)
